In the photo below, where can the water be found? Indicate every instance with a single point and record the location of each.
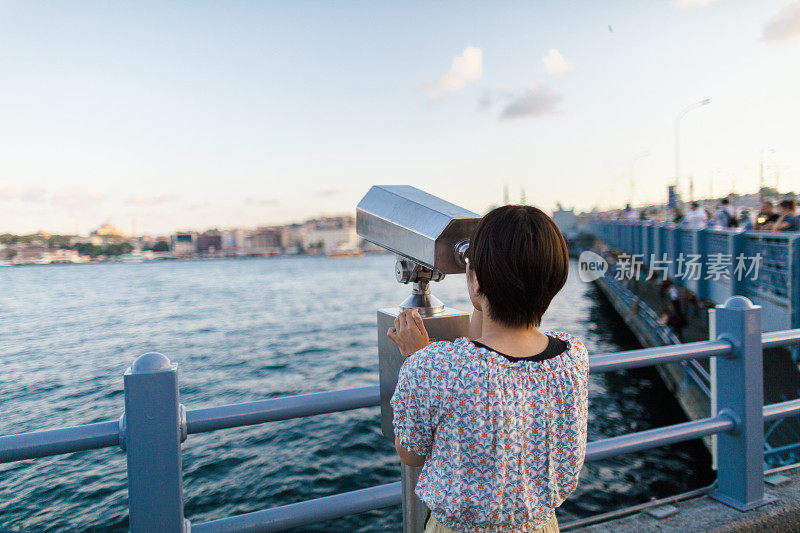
(244, 330)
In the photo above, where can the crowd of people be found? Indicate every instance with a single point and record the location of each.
(770, 217)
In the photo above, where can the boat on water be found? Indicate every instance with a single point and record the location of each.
(136, 256)
(344, 251)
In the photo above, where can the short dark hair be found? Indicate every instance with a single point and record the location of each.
(521, 261)
(788, 204)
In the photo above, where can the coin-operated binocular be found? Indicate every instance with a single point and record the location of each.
(430, 237)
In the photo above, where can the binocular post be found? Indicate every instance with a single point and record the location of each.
(442, 324)
(430, 237)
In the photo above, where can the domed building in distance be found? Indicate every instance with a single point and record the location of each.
(107, 232)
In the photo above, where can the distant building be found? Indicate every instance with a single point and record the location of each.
(183, 243)
(31, 254)
(566, 221)
(228, 240)
(209, 242)
(108, 231)
(236, 240)
(294, 235)
(268, 239)
(331, 234)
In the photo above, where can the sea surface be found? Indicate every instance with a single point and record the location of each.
(248, 329)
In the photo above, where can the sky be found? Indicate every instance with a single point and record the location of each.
(159, 116)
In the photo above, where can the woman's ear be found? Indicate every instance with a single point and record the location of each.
(472, 281)
(474, 288)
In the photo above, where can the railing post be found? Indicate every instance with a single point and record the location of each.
(702, 251)
(740, 395)
(738, 286)
(152, 434)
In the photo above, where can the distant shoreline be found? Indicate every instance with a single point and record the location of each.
(171, 259)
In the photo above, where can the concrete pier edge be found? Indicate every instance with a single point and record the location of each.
(707, 514)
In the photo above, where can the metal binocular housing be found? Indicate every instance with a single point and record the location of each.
(429, 235)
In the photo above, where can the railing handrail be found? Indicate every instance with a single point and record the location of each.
(653, 438)
(308, 512)
(659, 355)
(708, 227)
(283, 408)
(44, 443)
(777, 339)
(781, 410)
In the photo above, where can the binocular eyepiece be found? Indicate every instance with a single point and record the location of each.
(429, 235)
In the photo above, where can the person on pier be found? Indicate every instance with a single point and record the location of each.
(787, 217)
(497, 420)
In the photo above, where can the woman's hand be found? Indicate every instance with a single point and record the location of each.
(409, 332)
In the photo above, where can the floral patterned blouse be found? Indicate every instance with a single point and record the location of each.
(505, 441)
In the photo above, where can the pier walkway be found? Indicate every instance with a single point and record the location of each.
(698, 511)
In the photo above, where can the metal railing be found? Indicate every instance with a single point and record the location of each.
(774, 284)
(155, 424)
(776, 287)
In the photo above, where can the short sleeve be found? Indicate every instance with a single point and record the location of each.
(413, 415)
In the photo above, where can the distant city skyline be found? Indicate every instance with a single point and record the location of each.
(193, 115)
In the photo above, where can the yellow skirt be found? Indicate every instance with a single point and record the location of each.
(434, 526)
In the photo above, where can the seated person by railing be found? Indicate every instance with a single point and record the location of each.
(787, 219)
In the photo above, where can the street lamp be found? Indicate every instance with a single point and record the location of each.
(678, 132)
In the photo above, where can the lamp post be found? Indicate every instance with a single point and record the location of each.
(678, 132)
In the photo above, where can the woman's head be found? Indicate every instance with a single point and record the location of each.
(518, 262)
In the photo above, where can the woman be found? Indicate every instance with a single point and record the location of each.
(496, 420)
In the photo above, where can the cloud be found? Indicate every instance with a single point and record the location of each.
(783, 25)
(489, 97)
(10, 191)
(536, 101)
(465, 68)
(684, 4)
(143, 200)
(197, 206)
(486, 99)
(76, 197)
(263, 202)
(556, 64)
(34, 194)
(327, 193)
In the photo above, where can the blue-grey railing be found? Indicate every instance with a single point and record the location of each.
(773, 283)
(776, 287)
(154, 426)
